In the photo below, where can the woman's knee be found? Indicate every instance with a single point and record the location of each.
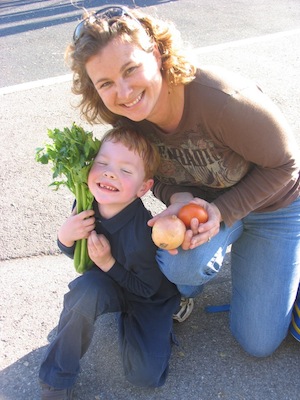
(260, 344)
(190, 267)
(198, 266)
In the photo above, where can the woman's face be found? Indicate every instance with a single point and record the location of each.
(128, 80)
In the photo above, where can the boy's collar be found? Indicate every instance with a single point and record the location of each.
(117, 222)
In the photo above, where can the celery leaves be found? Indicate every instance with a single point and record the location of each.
(71, 154)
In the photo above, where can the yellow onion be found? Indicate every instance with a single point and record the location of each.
(168, 232)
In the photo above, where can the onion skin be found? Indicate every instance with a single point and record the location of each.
(168, 232)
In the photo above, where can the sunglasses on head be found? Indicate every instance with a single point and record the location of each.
(111, 12)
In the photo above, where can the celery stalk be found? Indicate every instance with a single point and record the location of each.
(72, 153)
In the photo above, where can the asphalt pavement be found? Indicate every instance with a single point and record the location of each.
(259, 39)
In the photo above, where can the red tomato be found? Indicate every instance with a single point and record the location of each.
(191, 210)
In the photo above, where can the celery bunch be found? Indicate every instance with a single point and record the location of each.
(72, 153)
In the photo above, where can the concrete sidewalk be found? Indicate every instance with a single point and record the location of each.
(208, 364)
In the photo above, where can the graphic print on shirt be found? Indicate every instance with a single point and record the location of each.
(194, 158)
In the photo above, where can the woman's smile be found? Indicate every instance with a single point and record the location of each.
(134, 102)
(132, 85)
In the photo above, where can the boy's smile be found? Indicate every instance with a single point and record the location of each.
(117, 178)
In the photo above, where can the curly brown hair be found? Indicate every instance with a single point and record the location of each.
(135, 27)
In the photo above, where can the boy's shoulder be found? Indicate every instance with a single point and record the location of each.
(140, 212)
(135, 234)
(140, 215)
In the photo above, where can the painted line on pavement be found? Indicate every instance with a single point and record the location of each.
(199, 50)
(36, 84)
(243, 42)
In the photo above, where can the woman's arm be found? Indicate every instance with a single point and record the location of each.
(253, 126)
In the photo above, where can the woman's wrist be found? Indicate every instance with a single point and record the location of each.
(217, 211)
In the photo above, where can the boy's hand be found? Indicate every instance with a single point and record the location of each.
(99, 251)
(76, 227)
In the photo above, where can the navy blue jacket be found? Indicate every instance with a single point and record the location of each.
(135, 269)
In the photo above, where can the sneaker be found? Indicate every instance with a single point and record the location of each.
(185, 309)
(50, 393)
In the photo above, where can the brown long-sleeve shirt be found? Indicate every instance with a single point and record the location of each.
(233, 146)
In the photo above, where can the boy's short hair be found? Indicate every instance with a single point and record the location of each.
(137, 143)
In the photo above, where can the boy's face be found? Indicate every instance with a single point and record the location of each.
(117, 176)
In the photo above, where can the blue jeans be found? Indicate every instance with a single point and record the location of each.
(265, 271)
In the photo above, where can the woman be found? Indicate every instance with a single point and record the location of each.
(223, 144)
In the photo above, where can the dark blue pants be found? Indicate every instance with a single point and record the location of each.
(145, 332)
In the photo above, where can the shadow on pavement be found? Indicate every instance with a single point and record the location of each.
(207, 365)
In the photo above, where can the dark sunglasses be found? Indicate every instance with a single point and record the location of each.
(111, 12)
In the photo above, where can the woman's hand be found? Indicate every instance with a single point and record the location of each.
(76, 227)
(177, 200)
(171, 210)
(100, 252)
(202, 233)
(198, 233)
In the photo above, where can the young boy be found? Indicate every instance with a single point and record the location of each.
(125, 277)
